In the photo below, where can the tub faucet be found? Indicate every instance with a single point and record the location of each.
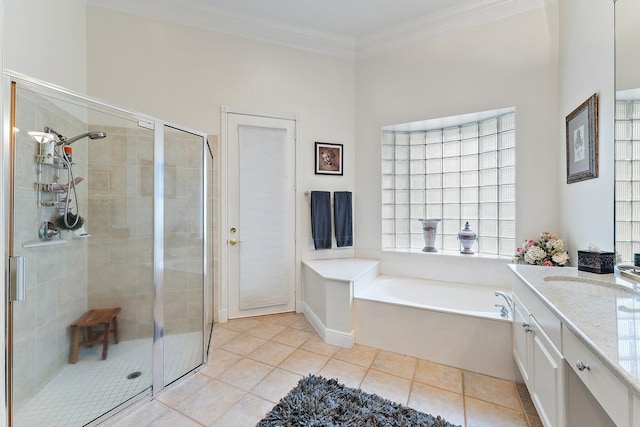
(503, 310)
(507, 298)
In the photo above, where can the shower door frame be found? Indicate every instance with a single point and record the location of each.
(6, 219)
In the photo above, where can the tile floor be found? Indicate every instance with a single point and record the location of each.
(256, 361)
(87, 389)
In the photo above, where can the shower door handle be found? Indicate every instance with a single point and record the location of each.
(16, 279)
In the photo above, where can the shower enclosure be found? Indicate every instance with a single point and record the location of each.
(108, 210)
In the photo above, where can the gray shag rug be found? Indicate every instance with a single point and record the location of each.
(317, 401)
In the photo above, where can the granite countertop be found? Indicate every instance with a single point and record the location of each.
(602, 310)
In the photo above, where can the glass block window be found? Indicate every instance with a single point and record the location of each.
(456, 174)
(627, 156)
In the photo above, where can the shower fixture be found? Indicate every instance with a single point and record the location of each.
(47, 143)
(70, 221)
(63, 140)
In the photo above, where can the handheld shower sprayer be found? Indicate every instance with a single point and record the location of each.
(63, 140)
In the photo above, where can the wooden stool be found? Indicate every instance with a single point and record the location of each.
(97, 317)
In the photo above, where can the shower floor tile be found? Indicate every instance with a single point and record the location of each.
(91, 387)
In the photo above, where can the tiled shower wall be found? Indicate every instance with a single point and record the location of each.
(121, 223)
(183, 233)
(56, 276)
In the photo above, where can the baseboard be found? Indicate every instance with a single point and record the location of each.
(339, 338)
(330, 336)
(223, 316)
(313, 319)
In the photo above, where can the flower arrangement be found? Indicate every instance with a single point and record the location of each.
(548, 251)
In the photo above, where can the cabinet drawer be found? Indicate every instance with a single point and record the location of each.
(605, 387)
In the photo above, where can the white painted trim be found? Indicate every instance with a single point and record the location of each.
(338, 338)
(258, 113)
(313, 318)
(224, 220)
(330, 336)
(223, 316)
(447, 20)
(199, 15)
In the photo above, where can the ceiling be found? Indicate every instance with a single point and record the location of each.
(346, 28)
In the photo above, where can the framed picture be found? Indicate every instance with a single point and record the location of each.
(582, 141)
(328, 159)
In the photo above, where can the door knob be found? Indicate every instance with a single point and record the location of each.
(233, 242)
(582, 366)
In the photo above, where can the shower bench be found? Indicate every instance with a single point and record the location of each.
(96, 317)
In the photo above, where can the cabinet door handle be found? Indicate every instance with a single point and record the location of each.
(527, 327)
(582, 366)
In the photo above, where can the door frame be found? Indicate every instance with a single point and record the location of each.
(223, 309)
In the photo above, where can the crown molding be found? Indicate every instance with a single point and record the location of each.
(198, 15)
(446, 20)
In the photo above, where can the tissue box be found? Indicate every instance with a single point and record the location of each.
(596, 262)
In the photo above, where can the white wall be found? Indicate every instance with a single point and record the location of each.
(47, 40)
(184, 75)
(44, 39)
(587, 67)
(509, 62)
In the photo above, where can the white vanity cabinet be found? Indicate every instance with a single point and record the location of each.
(571, 376)
(608, 391)
(539, 361)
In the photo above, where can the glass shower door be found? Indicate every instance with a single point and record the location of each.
(184, 240)
(99, 258)
(108, 217)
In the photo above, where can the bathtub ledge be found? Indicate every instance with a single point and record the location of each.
(327, 294)
(343, 269)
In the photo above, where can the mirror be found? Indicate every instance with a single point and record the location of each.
(627, 129)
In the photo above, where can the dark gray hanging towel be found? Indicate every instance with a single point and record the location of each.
(342, 213)
(321, 219)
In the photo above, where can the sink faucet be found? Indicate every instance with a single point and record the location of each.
(503, 309)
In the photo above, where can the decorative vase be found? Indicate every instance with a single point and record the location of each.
(467, 238)
(429, 229)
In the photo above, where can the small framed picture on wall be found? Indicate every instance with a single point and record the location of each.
(582, 141)
(328, 159)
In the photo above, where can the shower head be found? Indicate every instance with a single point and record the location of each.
(63, 140)
(91, 135)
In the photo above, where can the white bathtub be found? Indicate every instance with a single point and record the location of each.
(453, 324)
(468, 300)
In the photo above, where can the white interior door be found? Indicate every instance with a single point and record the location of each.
(260, 215)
